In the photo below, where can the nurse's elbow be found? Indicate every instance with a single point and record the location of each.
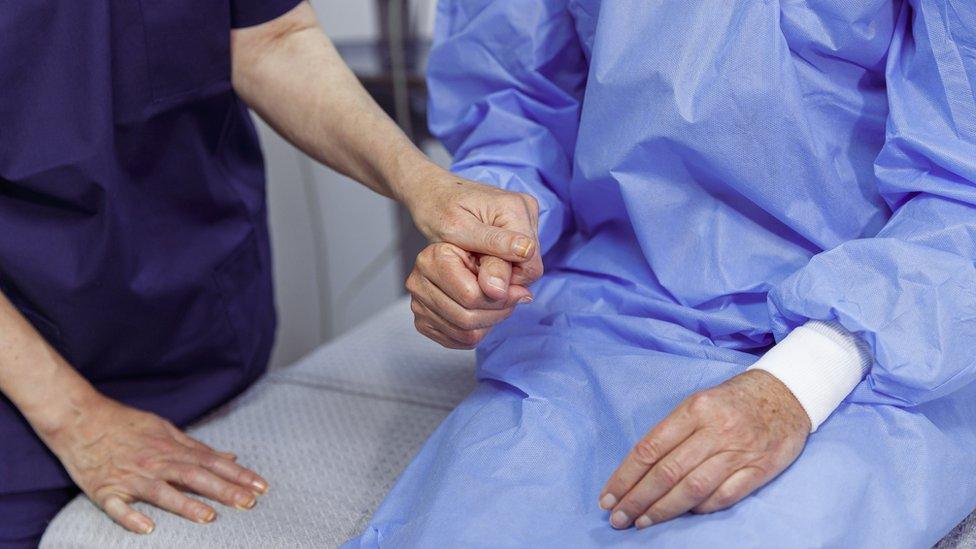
(254, 49)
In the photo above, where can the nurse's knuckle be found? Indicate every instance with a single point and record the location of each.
(102, 494)
(452, 226)
(441, 252)
(187, 475)
(245, 477)
(493, 238)
(155, 491)
(531, 202)
(647, 451)
(208, 459)
(190, 508)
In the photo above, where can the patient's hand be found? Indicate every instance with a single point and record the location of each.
(449, 305)
(485, 252)
(714, 449)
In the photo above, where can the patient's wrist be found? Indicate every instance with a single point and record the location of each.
(821, 363)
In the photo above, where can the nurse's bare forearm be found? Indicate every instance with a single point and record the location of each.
(290, 73)
(36, 379)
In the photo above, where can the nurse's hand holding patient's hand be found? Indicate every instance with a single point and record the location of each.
(484, 254)
(715, 448)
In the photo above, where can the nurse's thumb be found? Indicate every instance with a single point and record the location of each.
(494, 275)
(502, 243)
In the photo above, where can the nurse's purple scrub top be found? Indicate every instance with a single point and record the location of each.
(133, 228)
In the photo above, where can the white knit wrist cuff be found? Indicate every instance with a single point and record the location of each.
(821, 363)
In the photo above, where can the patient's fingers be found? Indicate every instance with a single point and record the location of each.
(656, 444)
(497, 279)
(426, 328)
(669, 471)
(459, 338)
(448, 268)
(739, 485)
(466, 319)
(693, 489)
(493, 277)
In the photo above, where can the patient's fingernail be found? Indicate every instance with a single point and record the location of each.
(619, 519)
(523, 246)
(525, 300)
(260, 485)
(496, 283)
(608, 501)
(244, 501)
(643, 521)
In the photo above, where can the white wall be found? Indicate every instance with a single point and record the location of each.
(334, 242)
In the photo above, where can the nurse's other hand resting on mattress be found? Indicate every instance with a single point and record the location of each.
(117, 455)
(715, 448)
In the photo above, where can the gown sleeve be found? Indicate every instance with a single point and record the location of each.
(909, 292)
(506, 81)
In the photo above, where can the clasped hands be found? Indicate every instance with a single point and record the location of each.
(714, 449)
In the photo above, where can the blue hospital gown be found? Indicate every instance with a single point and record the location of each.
(711, 175)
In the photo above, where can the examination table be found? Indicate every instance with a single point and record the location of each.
(330, 434)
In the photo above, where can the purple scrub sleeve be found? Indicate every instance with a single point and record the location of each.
(26, 515)
(247, 13)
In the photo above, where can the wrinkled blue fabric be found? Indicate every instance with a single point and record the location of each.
(710, 176)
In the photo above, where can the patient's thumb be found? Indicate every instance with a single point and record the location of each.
(494, 275)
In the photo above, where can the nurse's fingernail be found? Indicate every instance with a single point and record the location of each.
(496, 283)
(523, 247)
(206, 515)
(145, 525)
(244, 501)
(619, 519)
(525, 300)
(643, 521)
(608, 501)
(260, 485)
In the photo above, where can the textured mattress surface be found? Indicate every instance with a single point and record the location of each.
(331, 434)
